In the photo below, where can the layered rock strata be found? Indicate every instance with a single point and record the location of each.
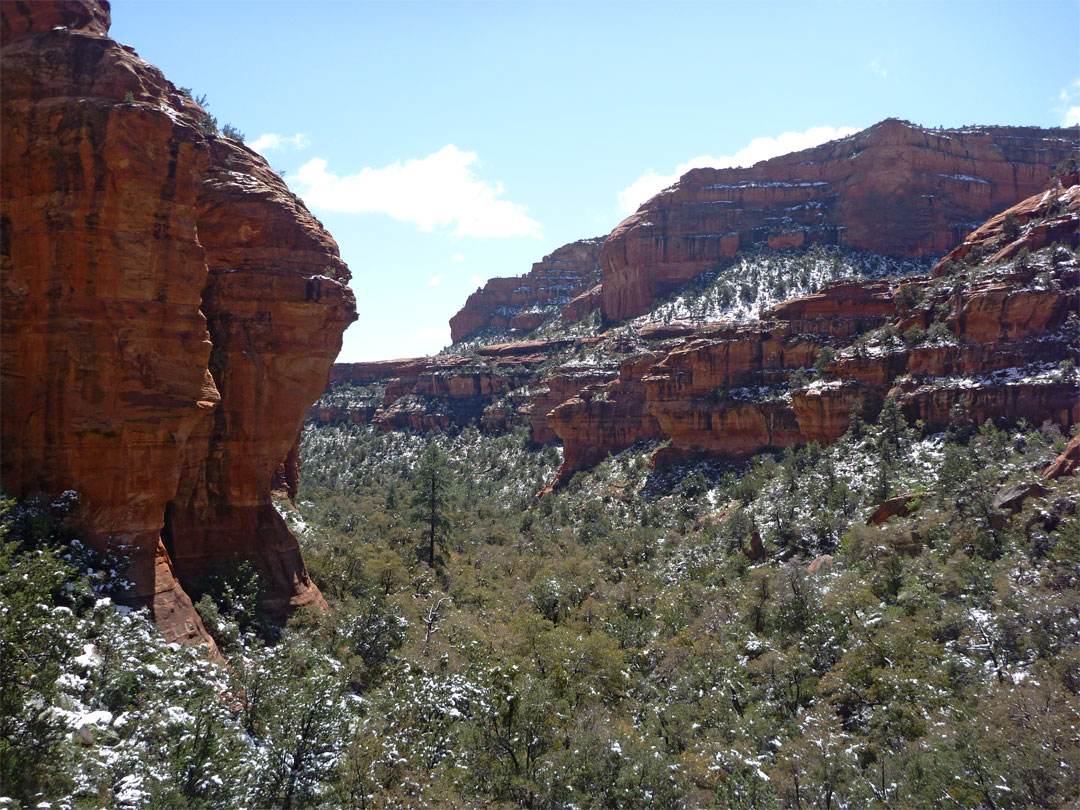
(894, 188)
(428, 393)
(735, 390)
(522, 303)
(169, 310)
(495, 389)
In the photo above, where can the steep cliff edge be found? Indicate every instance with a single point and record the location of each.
(994, 337)
(522, 303)
(894, 188)
(169, 310)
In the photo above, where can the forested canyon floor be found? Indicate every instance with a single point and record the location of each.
(711, 635)
(804, 434)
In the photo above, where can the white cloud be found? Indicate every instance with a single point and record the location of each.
(432, 338)
(271, 141)
(874, 67)
(459, 257)
(434, 280)
(439, 190)
(1070, 100)
(757, 150)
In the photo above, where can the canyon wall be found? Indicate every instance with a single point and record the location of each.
(992, 335)
(894, 188)
(522, 303)
(169, 309)
(988, 337)
(435, 393)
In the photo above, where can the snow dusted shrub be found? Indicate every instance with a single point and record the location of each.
(228, 603)
(296, 712)
(38, 590)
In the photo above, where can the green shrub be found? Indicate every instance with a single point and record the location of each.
(914, 336)
(208, 125)
(229, 131)
(825, 357)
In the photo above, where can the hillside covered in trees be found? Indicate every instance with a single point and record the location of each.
(710, 635)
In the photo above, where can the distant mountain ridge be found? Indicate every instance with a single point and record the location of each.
(521, 303)
(894, 188)
(987, 330)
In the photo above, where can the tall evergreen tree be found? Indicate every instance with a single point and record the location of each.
(431, 497)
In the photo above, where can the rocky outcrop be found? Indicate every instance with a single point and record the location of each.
(434, 393)
(1032, 224)
(169, 310)
(522, 303)
(734, 391)
(898, 506)
(85, 16)
(563, 384)
(1067, 463)
(276, 306)
(605, 418)
(894, 188)
(588, 302)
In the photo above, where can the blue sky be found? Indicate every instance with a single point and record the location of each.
(446, 143)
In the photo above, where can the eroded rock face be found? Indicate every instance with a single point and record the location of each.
(894, 188)
(276, 305)
(524, 302)
(435, 393)
(605, 418)
(1031, 224)
(169, 311)
(561, 385)
(728, 390)
(1067, 463)
(22, 18)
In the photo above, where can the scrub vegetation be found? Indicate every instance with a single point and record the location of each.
(638, 639)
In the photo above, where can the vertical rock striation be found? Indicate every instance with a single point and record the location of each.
(169, 311)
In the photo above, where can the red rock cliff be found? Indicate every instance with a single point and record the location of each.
(169, 308)
(524, 302)
(433, 393)
(893, 188)
(729, 390)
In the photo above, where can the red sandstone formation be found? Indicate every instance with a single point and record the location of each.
(666, 331)
(589, 301)
(1067, 463)
(276, 307)
(169, 311)
(535, 348)
(426, 393)
(562, 384)
(429, 393)
(725, 391)
(522, 303)
(1034, 223)
(894, 507)
(286, 479)
(605, 418)
(893, 188)
(22, 18)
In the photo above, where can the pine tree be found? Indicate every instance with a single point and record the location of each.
(892, 435)
(431, 498)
